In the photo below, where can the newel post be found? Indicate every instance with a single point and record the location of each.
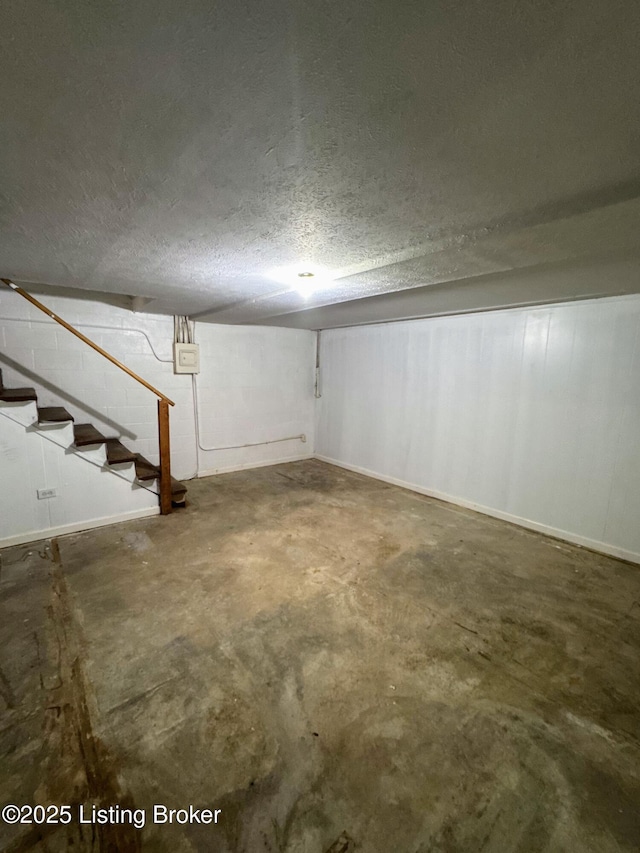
(165, 457)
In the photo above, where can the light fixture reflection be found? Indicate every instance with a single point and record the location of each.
(305, 278)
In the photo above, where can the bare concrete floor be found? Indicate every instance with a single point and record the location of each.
(335, 664)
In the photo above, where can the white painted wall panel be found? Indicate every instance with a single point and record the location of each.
(256, 385)
(530, 414)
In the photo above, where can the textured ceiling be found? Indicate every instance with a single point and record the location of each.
(184, 151)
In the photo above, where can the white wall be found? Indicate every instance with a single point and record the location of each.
(256, 384)
(35, 351)
(88, 493)
(531, 415)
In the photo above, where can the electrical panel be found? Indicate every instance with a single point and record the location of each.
(186, 358)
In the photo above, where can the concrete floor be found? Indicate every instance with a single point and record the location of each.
(335, 664)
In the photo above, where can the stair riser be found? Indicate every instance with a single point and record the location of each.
(61, 433)
(152, 481)
(25, 413)
(96, 453)
(126, 470)
(149, 485)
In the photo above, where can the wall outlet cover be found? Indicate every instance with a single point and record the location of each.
(46, 493)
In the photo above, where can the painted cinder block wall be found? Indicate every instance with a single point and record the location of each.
(37, 352)
(88, 492)
(256, 383)
(531, 415)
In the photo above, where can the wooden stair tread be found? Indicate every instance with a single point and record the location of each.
(53, 415)
(117, 452)
(146, 470)
(17, 395)
(177, 488)
(87, 434)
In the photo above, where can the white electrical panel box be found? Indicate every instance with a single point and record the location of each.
(186, 358)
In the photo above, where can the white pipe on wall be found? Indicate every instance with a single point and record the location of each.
(302, 437)
(94, 326)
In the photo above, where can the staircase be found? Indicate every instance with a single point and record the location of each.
(85, 437)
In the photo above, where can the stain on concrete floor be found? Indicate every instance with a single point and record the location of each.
(330, 661)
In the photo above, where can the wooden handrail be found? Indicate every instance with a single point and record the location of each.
(86, 340)
(163, 402)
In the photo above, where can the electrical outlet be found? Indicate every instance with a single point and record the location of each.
(46, 493)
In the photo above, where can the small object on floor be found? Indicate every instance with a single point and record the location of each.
(344, 844)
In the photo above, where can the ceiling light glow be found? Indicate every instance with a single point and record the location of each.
(305, 278)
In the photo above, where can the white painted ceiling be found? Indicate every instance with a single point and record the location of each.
(432, 155)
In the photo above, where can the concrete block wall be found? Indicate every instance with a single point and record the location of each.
(256, 384)
(532, 415)
(87, 494)
(36, 351)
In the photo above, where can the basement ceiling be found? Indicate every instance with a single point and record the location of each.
(420, 157)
